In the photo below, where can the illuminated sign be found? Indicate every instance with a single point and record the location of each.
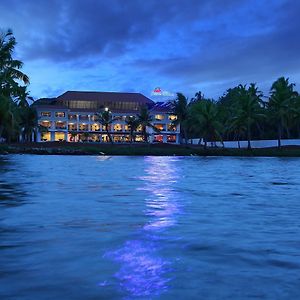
(160, 92)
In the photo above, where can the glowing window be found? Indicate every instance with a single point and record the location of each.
(171, 138)
(46, 114)
(60, 114)
(172, 117)
(59, 136)
(117, 127)
(159, 127)
(46, 124)
(159, 117)
(46, 136)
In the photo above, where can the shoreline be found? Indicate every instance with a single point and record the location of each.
(60, 148)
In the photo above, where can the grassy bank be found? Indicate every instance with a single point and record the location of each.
(140, 149)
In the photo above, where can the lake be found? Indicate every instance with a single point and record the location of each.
(88, 227)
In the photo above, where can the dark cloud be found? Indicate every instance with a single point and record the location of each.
(189, 43)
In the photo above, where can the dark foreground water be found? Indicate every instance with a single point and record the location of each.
(149, 228)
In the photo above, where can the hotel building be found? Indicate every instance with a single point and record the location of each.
(72, 117)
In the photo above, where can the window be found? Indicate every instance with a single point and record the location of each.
(72, 127)
(84, 117)
(159, 117)
(172, 127)
(60, 125)
(158, 138)
(59, 114)
(46, 124)
(96, 127)
(139, 138)
(172, 117)
(118, 138)
(73, 117)
(159, 126)
(83, 127)
(117, 127)
(46, 136)
(46, 114)
(59, 136)
(171, 138)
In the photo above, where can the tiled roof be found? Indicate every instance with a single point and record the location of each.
(105, 96)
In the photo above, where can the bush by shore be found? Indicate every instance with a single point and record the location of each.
(60, 148)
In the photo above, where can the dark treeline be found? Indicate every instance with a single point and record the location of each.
(242, 113)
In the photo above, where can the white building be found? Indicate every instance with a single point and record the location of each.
(73, 117)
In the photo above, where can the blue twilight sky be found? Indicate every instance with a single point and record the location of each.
(137, 45)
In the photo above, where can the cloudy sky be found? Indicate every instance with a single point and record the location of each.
(137, 45)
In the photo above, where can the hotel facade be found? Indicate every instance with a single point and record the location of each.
(72, 117)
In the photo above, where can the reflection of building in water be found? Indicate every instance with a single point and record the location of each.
(143, 272)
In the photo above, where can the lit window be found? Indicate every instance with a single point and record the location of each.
(172, 127)
(172, 117)
(59, 136)
(159, 117)
(95, 127)
(46, 136)
(159, 126)
(60, 125)
(59, 114)
(46, 124)
(117, 127)
(158, 138)
(46, 114)
(171, 138)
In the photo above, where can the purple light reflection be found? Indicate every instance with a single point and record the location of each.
(142, 271)
(160, 182)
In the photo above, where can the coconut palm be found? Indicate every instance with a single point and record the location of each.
(145, 120)
(248, 109)
(10, 90)
(282, 94)
(10, 72)
(205, 120)
(133, 124)
(105, 118)
(181, 109)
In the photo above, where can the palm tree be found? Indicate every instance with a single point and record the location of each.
(10, 72)
(248, 108)
(205, 120)
(133, 124)
(282, 94)
(181, 109)
(27, 114)
(145, 120)
(10, 90)
(105, 118)
(237, 127)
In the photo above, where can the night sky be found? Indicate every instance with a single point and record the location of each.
(135, 46)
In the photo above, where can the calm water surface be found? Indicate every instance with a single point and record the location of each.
(149, 227)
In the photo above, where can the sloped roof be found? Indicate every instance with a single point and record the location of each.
(104, 96)
(162, 107)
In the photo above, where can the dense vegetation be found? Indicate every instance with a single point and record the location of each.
(242, 113)
(16, 116)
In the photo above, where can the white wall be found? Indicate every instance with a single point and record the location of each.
(254, 144)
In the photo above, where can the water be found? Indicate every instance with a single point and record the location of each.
(149, 227)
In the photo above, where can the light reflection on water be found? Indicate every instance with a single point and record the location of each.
(149, 228)
(143, 272)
